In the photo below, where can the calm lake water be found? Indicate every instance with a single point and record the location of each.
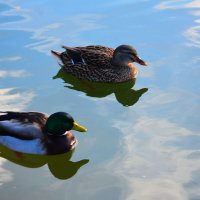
(143, 139)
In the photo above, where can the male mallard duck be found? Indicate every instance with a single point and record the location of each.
(99, 63)
(36, 133)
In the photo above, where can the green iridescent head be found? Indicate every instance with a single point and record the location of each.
(60, 122)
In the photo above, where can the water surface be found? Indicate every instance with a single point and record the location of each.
(143, 136)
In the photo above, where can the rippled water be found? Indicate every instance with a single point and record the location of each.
(143, 136)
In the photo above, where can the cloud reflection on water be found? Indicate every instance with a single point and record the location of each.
(13, 73)
(10, 58)
(12, 100)
(48, 32)
(150, 169)
(5, 175)
(192, 33)
(171, 4)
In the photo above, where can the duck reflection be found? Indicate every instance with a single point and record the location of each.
(59, 165)
(124, 93)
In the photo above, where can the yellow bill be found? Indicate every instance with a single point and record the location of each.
(78, 127)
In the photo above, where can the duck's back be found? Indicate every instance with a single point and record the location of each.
(92, 56)
(96, 48)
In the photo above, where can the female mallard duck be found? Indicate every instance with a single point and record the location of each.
(99, 63)
(36, 133)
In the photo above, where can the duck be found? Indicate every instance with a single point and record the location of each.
(99, 63)
(38, 133)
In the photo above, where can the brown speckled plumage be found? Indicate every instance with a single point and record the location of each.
(99, 63)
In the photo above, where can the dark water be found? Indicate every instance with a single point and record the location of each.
(143, 136)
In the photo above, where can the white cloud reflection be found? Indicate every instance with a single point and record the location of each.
(64, 29)
(16, 101)
(151, 169)
(68, 31)
(5, 175)
(192, 33)
(13, 73)
(178, 4)
(10, 59)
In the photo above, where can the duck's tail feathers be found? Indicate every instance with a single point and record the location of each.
(56, 53)
(74, 54)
